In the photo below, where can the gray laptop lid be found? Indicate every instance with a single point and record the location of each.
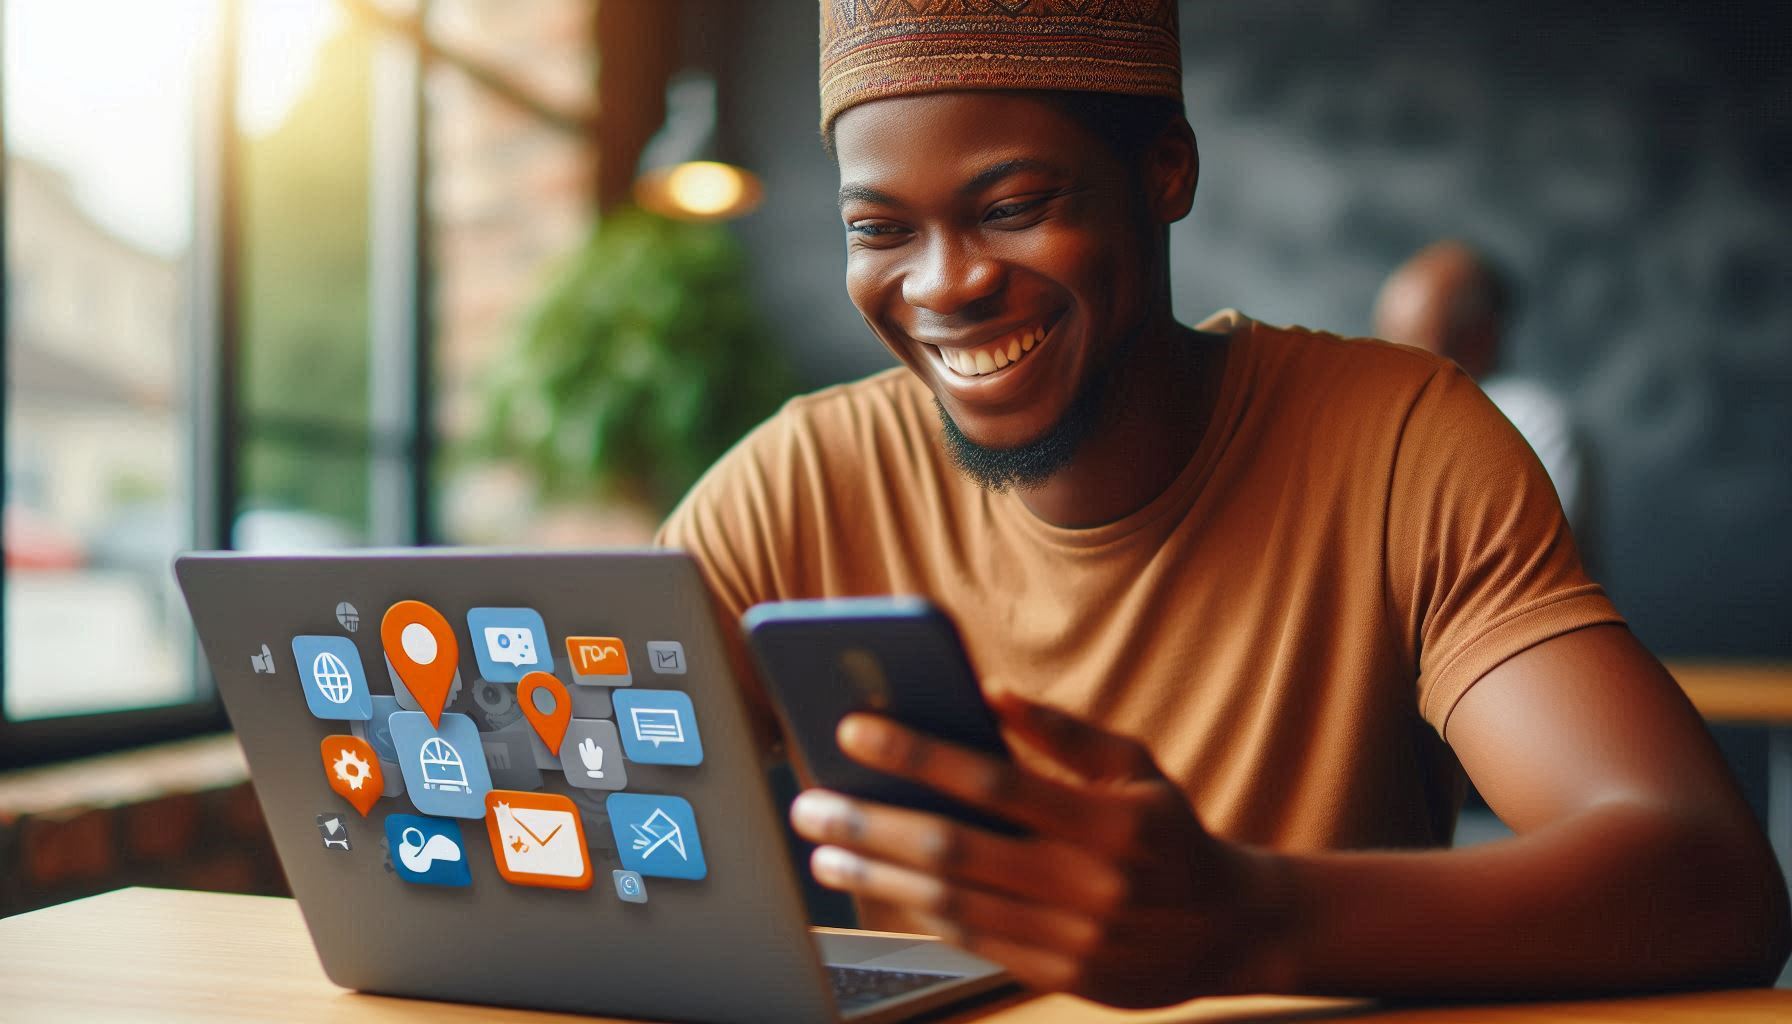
(731, 945)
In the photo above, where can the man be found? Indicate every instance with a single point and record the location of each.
(1450, 301)
(1248, 599)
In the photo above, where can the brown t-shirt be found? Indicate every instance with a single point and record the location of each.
(1359, 537)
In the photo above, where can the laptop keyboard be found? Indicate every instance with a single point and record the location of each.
(857, 987)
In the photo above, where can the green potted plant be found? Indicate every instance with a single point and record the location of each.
(641, 363)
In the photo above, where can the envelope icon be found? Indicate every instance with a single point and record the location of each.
(537, 839)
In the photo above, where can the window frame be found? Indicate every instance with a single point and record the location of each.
(398, 440)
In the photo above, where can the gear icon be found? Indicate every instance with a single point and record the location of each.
(351, 769)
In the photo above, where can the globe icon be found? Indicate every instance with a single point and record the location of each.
(332, 678)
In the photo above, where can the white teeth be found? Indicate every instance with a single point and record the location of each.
(994, 356)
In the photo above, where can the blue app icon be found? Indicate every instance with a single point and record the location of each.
(658, 727)
(444, 769)
(330, 672)
(509, 643)
(427, 851)
(379, 731)
(656, 835)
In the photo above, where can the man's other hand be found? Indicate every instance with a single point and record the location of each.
(1118, 894)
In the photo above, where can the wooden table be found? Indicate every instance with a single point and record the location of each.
(147, 955)
(1758, 693)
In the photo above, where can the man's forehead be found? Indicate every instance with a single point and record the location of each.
(964, 141)
(883, 183)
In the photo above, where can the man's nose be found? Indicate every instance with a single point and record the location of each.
(952, 274)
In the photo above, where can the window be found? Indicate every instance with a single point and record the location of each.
(305, 76)
(99, 161)
(221, 265)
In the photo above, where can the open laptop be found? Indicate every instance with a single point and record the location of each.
(639, 870)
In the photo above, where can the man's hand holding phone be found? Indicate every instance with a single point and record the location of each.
(1118, 894)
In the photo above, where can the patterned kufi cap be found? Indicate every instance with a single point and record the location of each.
(876, 48)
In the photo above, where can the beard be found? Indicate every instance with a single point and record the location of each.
(1029, 465)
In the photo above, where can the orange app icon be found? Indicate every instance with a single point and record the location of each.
(537, 839)
(353, 771)
(598, 656)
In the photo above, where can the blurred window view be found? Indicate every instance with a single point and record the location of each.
(260, 256)
(99, 130)
(304, 77)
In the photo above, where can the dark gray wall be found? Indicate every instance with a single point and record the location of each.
(1631, 163)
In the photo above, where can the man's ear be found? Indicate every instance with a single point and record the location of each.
(1172, 169)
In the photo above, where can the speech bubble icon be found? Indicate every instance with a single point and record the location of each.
(353, 771)
(658, 725)
(509, 646)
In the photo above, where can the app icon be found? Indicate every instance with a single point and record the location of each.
(423, 654)
(630, 887)
(509, 643)
(666, 657)
(656, 835)
(537, 839)
(406, 702)
(598, 661)
(444, 769)
(348, 616)
(377, 731)
(262, 663)
(546, 705)
(658, 727)
(591, 754)
(330, 672)
(427, 851)
(353, 771)
(334, 830)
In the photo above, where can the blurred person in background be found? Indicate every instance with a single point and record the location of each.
(1249, 600)
(1451, 301)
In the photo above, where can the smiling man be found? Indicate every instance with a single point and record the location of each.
(1250, 600)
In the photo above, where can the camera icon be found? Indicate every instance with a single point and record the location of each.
(630, 888)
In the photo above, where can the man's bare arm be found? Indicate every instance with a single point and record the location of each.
(1636, 864)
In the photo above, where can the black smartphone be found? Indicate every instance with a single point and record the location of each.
(896, 656)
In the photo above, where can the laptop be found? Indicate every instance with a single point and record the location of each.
(527, 779)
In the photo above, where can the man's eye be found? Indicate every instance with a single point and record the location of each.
(871, 229)
(1010, 210)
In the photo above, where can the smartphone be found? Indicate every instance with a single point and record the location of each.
(896, 656)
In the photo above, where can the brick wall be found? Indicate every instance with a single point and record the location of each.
(509, 195)
(180, 816)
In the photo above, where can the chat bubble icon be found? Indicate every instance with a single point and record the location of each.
(509, 645)
(658, 725)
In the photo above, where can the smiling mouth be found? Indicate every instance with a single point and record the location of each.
(995, 356)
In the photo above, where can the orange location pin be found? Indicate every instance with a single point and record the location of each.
(537, 689)
(421, 647)
(353, 770)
